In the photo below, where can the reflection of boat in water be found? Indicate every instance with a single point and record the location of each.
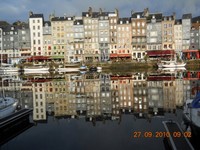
(191, 114)
(171, 64)
(8, 68)
(7, 106)
(94, 68)
(83, 68)
(174, 69)
(68, 69)
(177, 72)
(36, 70)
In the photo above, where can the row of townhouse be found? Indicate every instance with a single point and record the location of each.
(102, 36)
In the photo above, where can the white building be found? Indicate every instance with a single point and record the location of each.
(36, 32)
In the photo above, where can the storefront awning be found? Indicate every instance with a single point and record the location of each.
(119, 55)
(190, 50)
(113, 55)
(33, 58)
(160, 53)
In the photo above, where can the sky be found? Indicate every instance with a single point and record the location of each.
(13, 10)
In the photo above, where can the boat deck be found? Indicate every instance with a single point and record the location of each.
(14, 117)
(176, 142)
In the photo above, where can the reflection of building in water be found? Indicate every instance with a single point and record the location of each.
(115, 98)
(169, 95)
(155, 94)
(92, 90)
(140, 94)
(190, 80)
(65, 98)
(124, 85)
(195, 88)
(80, 95)
(105, 95)
(39, 101)
(179, 91)
(26, 95)
(10, 86)
(186, 89)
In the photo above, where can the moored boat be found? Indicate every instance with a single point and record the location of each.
(171, 64)
(68, 69)
(8, 68)
(191, 114)
(36, 69)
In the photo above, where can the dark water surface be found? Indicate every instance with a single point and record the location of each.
(77, 134)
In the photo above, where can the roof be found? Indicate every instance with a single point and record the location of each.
(78, 22)
(62, 19)
(178, 21)
(47, 22)
(104, 14)
(157, 16)
(124, 20)
(196, 19)
(135, 14)
(187, 16)
(36, 16)
(10, 28)
(92, 14)
(168, 18)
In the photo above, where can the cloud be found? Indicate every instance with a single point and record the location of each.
(18, 10)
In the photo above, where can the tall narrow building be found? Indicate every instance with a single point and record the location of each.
(113, 19)
(36, 33)
(104, 38)
(168, 32)
(124, 39)
(186, 26)
(91, 33)
(138, 22)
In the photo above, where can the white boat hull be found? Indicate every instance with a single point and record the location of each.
(36, 70)
(68, 69)
(174, 66)
(171, 64)
(9, 69)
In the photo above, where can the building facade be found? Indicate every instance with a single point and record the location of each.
(124, 39)
(36, 33)
(138, 22)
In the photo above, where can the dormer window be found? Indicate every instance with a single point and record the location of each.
(127, 22)
(153, 16)
(138, 16)
(121, 22)
(87, 15)
(78, 23)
